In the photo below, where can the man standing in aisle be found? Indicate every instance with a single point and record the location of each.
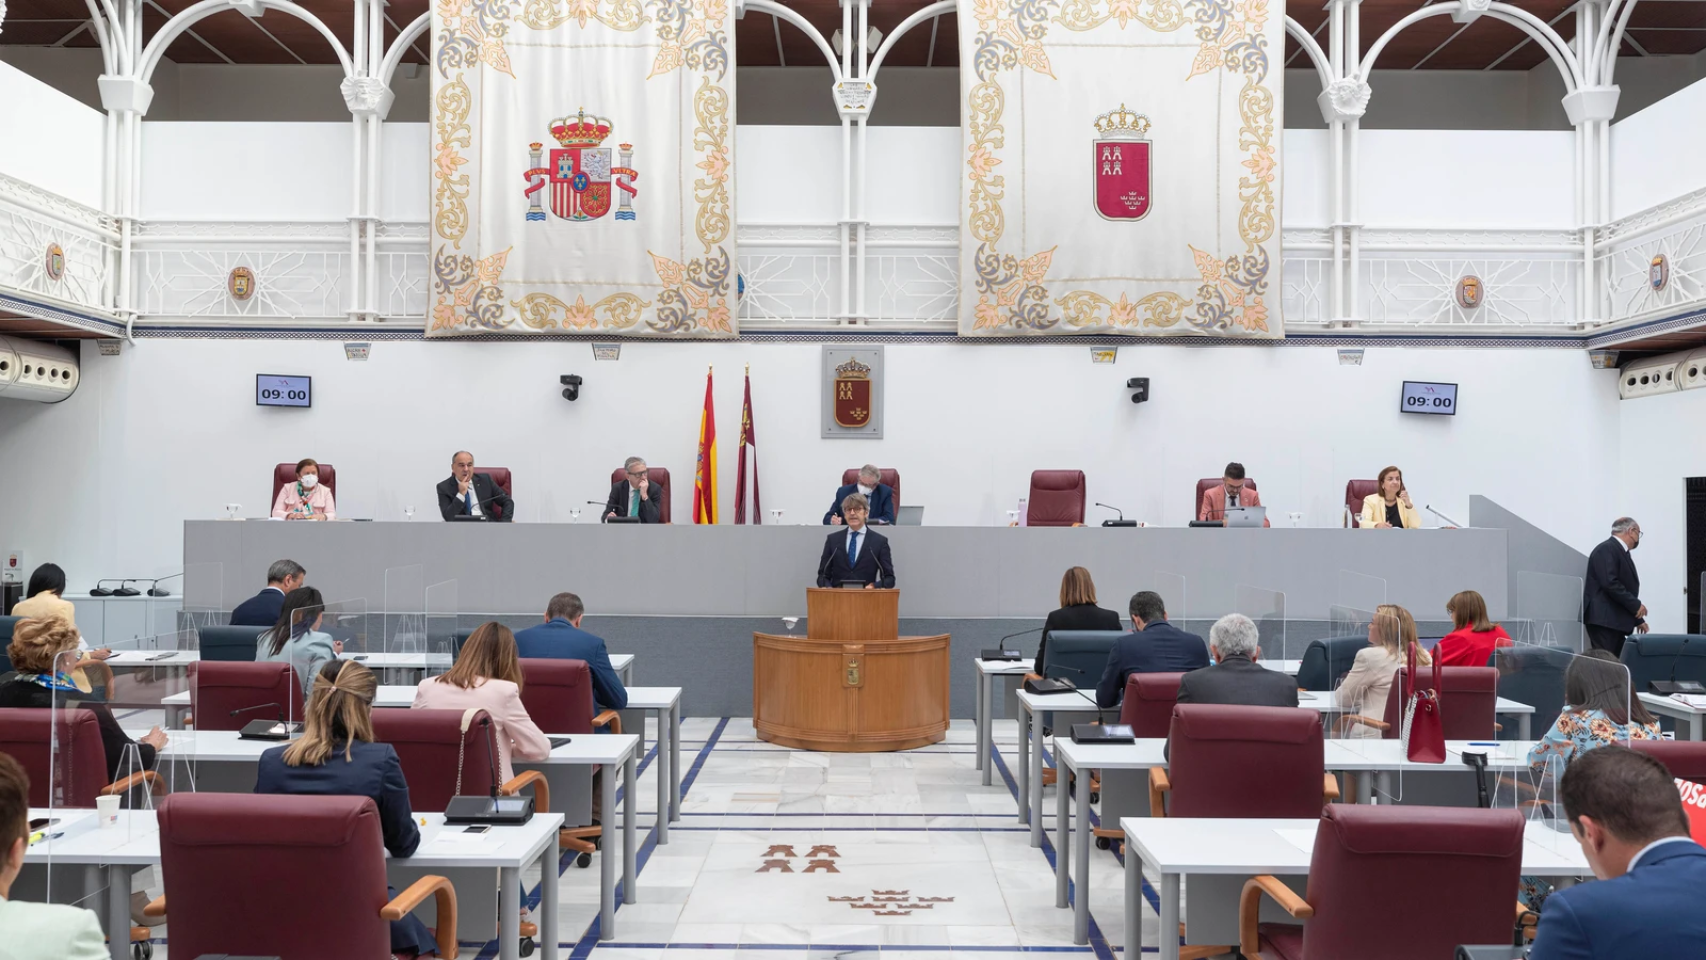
(1611, 603)
(636, 496)
(471, 494)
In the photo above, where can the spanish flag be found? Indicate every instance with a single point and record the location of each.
(705, 469)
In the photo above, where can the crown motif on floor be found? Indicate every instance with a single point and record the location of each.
(853, 369)
(580, 130)
(1122, 121)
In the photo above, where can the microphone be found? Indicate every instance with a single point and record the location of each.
(260, 706)
(1021, 633)
(124, 591)
(154, 589)
(100, 591)
(1671, 685)
(1121, 522)
(1449, 522)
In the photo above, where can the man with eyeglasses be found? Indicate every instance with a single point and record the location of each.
(636, 496)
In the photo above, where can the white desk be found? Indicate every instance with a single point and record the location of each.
(135, 843)
(1676, 710)
(1066, 707)
(987, 671)
(666, 703)
(1287, 667)
(1174, 848)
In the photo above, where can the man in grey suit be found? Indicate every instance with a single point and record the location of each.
(1236, 678)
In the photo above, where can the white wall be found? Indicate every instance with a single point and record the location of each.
(169, 431)
(65, 146)
(1661, 444)
(256, 171)
(1467, 178)
(1656, 154)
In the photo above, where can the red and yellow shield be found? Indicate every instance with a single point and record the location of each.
(1121, 160)
(852, 394)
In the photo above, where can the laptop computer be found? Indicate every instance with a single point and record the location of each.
(1246, 516)
(908, 516)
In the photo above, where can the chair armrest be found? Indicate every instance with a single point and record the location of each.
(1158, 785)
(1250, 909)
(121, 787)
(609, 718)
(1526, 920)
(444, 896)
(1329, 788)
(541, 789)
(157, 907)
(1352, 719)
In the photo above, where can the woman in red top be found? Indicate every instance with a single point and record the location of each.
(1471, 642)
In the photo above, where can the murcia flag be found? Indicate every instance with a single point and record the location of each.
(748, 455)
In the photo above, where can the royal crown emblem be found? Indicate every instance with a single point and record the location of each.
(1121, 159)
(580, 174)
(853, 370)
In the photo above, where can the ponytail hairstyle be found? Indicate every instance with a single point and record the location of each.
(341, 710)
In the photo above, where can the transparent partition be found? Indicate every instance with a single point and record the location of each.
(1596, 709)
(1547, 608)
(440, 627)
(1359, 590)
(1267, 609)
(405, 609)
(320, 635)
(1176, 598)
(203, 603)
(77, 771)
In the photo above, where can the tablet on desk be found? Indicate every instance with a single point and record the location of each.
(559, 741)
(1306, 695)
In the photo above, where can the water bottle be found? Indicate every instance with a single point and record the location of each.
(1024, 518)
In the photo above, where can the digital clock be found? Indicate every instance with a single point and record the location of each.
(273, 390)
(1435, 398)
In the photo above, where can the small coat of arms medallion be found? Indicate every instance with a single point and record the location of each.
(55, 262)
(240, 283)
(852, 394)
(1658, 273)
(576, 180)
(1470, 290)
(1121, 159)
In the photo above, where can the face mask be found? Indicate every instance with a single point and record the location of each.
(867, 491)
(1637, 543)
(309, 481)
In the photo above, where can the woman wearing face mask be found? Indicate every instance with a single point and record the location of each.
(1390, 507)
(305, 499)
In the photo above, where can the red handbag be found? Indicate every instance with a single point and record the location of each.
(1423, 732)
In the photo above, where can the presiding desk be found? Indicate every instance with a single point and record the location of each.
(853, 684)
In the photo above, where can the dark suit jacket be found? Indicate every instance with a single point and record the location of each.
(493, 502)
(372, 771)
(873, 566)
(260, 610)
(1239, 681)
(561, 640)
(1084, 616)
(882, 502)
(651, 507)
(1158, 648)
(1611, 590)
(1651, 911)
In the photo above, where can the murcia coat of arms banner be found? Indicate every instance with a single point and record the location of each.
(1122, 167)
(582, 168)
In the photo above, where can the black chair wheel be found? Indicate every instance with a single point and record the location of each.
(583, 861)
(527, 947)
(1095, 796)
(1104, 843)
(142, 950)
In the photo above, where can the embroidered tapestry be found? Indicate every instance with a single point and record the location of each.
(1122, 167)
(582, 168)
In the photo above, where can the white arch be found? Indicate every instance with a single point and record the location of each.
(103, 35)
(176, 26)
(932, 11)
(777, 10)
(1306, 40)
(1556, 49)
(1606, 59)
(399, 46)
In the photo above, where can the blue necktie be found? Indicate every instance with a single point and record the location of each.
(468, 501)
(852, 548)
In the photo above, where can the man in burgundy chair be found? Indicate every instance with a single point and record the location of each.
(471, 494)
(1232, 492)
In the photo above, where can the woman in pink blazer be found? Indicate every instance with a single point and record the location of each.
(487, 676)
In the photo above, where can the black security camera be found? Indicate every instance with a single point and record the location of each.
(1140, 388)
(571, 386)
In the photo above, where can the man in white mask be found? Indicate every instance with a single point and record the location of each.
(868, 484)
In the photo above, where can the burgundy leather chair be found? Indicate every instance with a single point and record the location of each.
(1218, 753)
(886, 475)
(1467, 699)
(431, 744)
(286, 473)
(501, 477)
(657, 475)
(311, 884)
(1685, 759)
(1208, 483)
(218, 687)
(1148, 703)
(557, 694)
(80, 774)
(1356, 491)
(1056, 498)
(1463, 863)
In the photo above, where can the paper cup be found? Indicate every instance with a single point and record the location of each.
(106, 809)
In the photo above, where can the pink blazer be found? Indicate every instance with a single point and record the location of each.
(1214, 502)
(517, 733)
(289, 501)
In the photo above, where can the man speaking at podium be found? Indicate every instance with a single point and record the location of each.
(858, 554)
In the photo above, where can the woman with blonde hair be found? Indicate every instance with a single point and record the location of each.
(1365, 689)
(1473, 637)
(336, 755)
(487, 676)
(1078, 610)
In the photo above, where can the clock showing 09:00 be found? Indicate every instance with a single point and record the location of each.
(1439, 399)
(273, 390)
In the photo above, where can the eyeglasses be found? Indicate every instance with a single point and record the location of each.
(638, 473)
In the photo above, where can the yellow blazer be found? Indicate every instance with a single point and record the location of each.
(1374, 511)
(46, 606)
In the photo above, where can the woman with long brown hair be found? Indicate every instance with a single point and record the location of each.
(336, 755)
(1473, 637)
(1078, 610)
(487, 676)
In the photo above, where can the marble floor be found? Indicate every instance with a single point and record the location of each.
(788, 855)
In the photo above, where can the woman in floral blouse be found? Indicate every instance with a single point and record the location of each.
(1598, 710)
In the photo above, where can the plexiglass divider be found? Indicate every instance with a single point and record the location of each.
(1547, 608)
(1267, 609)
(203, 596)
(440, 627)
(77, 771)
(405, 609)
(319, 635)
(1176, 598)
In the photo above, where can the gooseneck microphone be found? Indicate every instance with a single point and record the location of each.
(260, 706)
(1121, 522)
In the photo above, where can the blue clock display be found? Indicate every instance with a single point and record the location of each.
(273, 390)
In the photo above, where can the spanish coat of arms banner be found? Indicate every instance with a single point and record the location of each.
(582, 168)
(1122, 167)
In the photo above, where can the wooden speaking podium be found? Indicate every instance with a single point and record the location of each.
(853, 684)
